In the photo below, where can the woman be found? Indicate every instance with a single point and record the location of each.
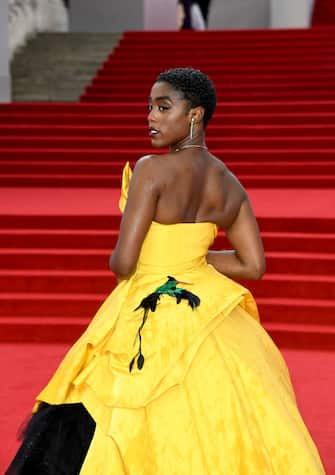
(174, 375)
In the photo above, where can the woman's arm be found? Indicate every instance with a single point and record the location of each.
(247, 260)
(138, 214)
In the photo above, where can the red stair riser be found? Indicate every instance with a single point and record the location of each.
(98, 260)
(70, 333)
(216, 129)
(103, 282)
(293, 288)
(302, 314)
(124, 155)
(227, 96)
(106, 181)
(145, 80)
(227, 87)
(213, 142)
(106, 240)
(77, 222)
(314, 121)
(60, 239)
(51, 306)
(244, 168)
(240, 107)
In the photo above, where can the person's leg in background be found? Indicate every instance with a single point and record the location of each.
(184, 14)
(204, 6)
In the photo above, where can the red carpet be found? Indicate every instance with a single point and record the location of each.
(324, 13)
(60, 169)
(314, 399)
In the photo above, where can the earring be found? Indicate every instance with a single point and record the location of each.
(191, 128)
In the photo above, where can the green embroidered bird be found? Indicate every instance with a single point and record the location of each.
(150, 303)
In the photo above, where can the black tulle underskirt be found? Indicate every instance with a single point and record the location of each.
(54, 442)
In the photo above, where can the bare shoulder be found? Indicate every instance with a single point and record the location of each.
(153, 168)
(145, 169)
(227, 178)
(150, 163)
(229, 193)
(145, 163)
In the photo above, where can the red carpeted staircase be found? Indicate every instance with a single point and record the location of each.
(61, 165)
(274, 127)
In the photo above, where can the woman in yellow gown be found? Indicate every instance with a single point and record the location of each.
(174, 375)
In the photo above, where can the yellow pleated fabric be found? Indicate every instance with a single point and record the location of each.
(214, 396)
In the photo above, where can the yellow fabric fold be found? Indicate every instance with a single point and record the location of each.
(126, 177)
(214, 395)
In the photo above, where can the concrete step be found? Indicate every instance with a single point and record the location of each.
(58, 66)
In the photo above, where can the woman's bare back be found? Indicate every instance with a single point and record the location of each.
(189, 187)
(194, 186)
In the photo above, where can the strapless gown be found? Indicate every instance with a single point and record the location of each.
(214, 395)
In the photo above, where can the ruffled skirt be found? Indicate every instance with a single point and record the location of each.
(231, 411)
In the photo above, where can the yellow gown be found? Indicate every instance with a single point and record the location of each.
(214, 396)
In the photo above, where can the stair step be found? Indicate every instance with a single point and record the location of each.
(102, 281)
(103, 240)
(69, 222)
(97, 259)
(252, 77)
(225, 87)
(294, 286)
(228, 96)
(57, 281)
(48, 66)
(50, 304)
(282, 51)
(240, 36)
(92, 168)
(230, 143)
(296, 311)
(109, 222)
(138, 107)
(67, 330)
(139, 129)
(207, 62)
(127, 154)
(42, 329)
(64, 239)
(302, 337)
(113, 181)
(51, 259)
(290, 122)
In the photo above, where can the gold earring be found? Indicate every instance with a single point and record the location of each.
(191, 128)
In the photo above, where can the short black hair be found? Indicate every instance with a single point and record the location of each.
(195, 86)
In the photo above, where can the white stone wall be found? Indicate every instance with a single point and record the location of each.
(291, 13)
(4, 53)
(28, 17)
(160, 15)
(120, 15)
(239, 14)
(106, 15)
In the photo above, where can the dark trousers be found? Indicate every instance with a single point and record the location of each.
(204, 6)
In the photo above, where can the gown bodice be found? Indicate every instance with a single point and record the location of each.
(176, 247)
